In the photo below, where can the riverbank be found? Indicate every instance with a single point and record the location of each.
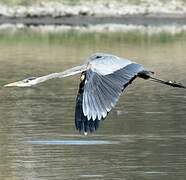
(97, 8)
(95, 15)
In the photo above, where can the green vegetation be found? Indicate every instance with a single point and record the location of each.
(26, 35)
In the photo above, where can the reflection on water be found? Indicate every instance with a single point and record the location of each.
(70, 142)
(144, 137)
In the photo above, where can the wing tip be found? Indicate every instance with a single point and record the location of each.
(86, 126)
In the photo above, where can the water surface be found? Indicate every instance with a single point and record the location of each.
(144, 137)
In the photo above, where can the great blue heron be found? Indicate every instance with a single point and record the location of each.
(103, 78)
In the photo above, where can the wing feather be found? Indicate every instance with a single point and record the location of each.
(101, 92)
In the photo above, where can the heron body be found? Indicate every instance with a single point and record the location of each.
(100, 88)
(103, 79)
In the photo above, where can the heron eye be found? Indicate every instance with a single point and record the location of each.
(26, 81)
(29, 79)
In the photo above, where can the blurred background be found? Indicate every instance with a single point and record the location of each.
(144, 137)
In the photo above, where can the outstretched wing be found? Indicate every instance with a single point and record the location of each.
(100, 94)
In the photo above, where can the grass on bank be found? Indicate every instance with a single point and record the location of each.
(27, 35)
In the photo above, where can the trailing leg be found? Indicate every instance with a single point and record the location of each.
(149, 75)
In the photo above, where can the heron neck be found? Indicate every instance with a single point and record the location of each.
(66, 73)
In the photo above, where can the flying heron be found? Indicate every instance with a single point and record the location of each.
(103, 79)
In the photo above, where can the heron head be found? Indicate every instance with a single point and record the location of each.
(97, 56)
(24, 83)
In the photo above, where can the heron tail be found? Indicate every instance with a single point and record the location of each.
(149, 75)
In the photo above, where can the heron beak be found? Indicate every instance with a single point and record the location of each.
(17, 84)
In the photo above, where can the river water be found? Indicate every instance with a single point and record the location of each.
(144, 137)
